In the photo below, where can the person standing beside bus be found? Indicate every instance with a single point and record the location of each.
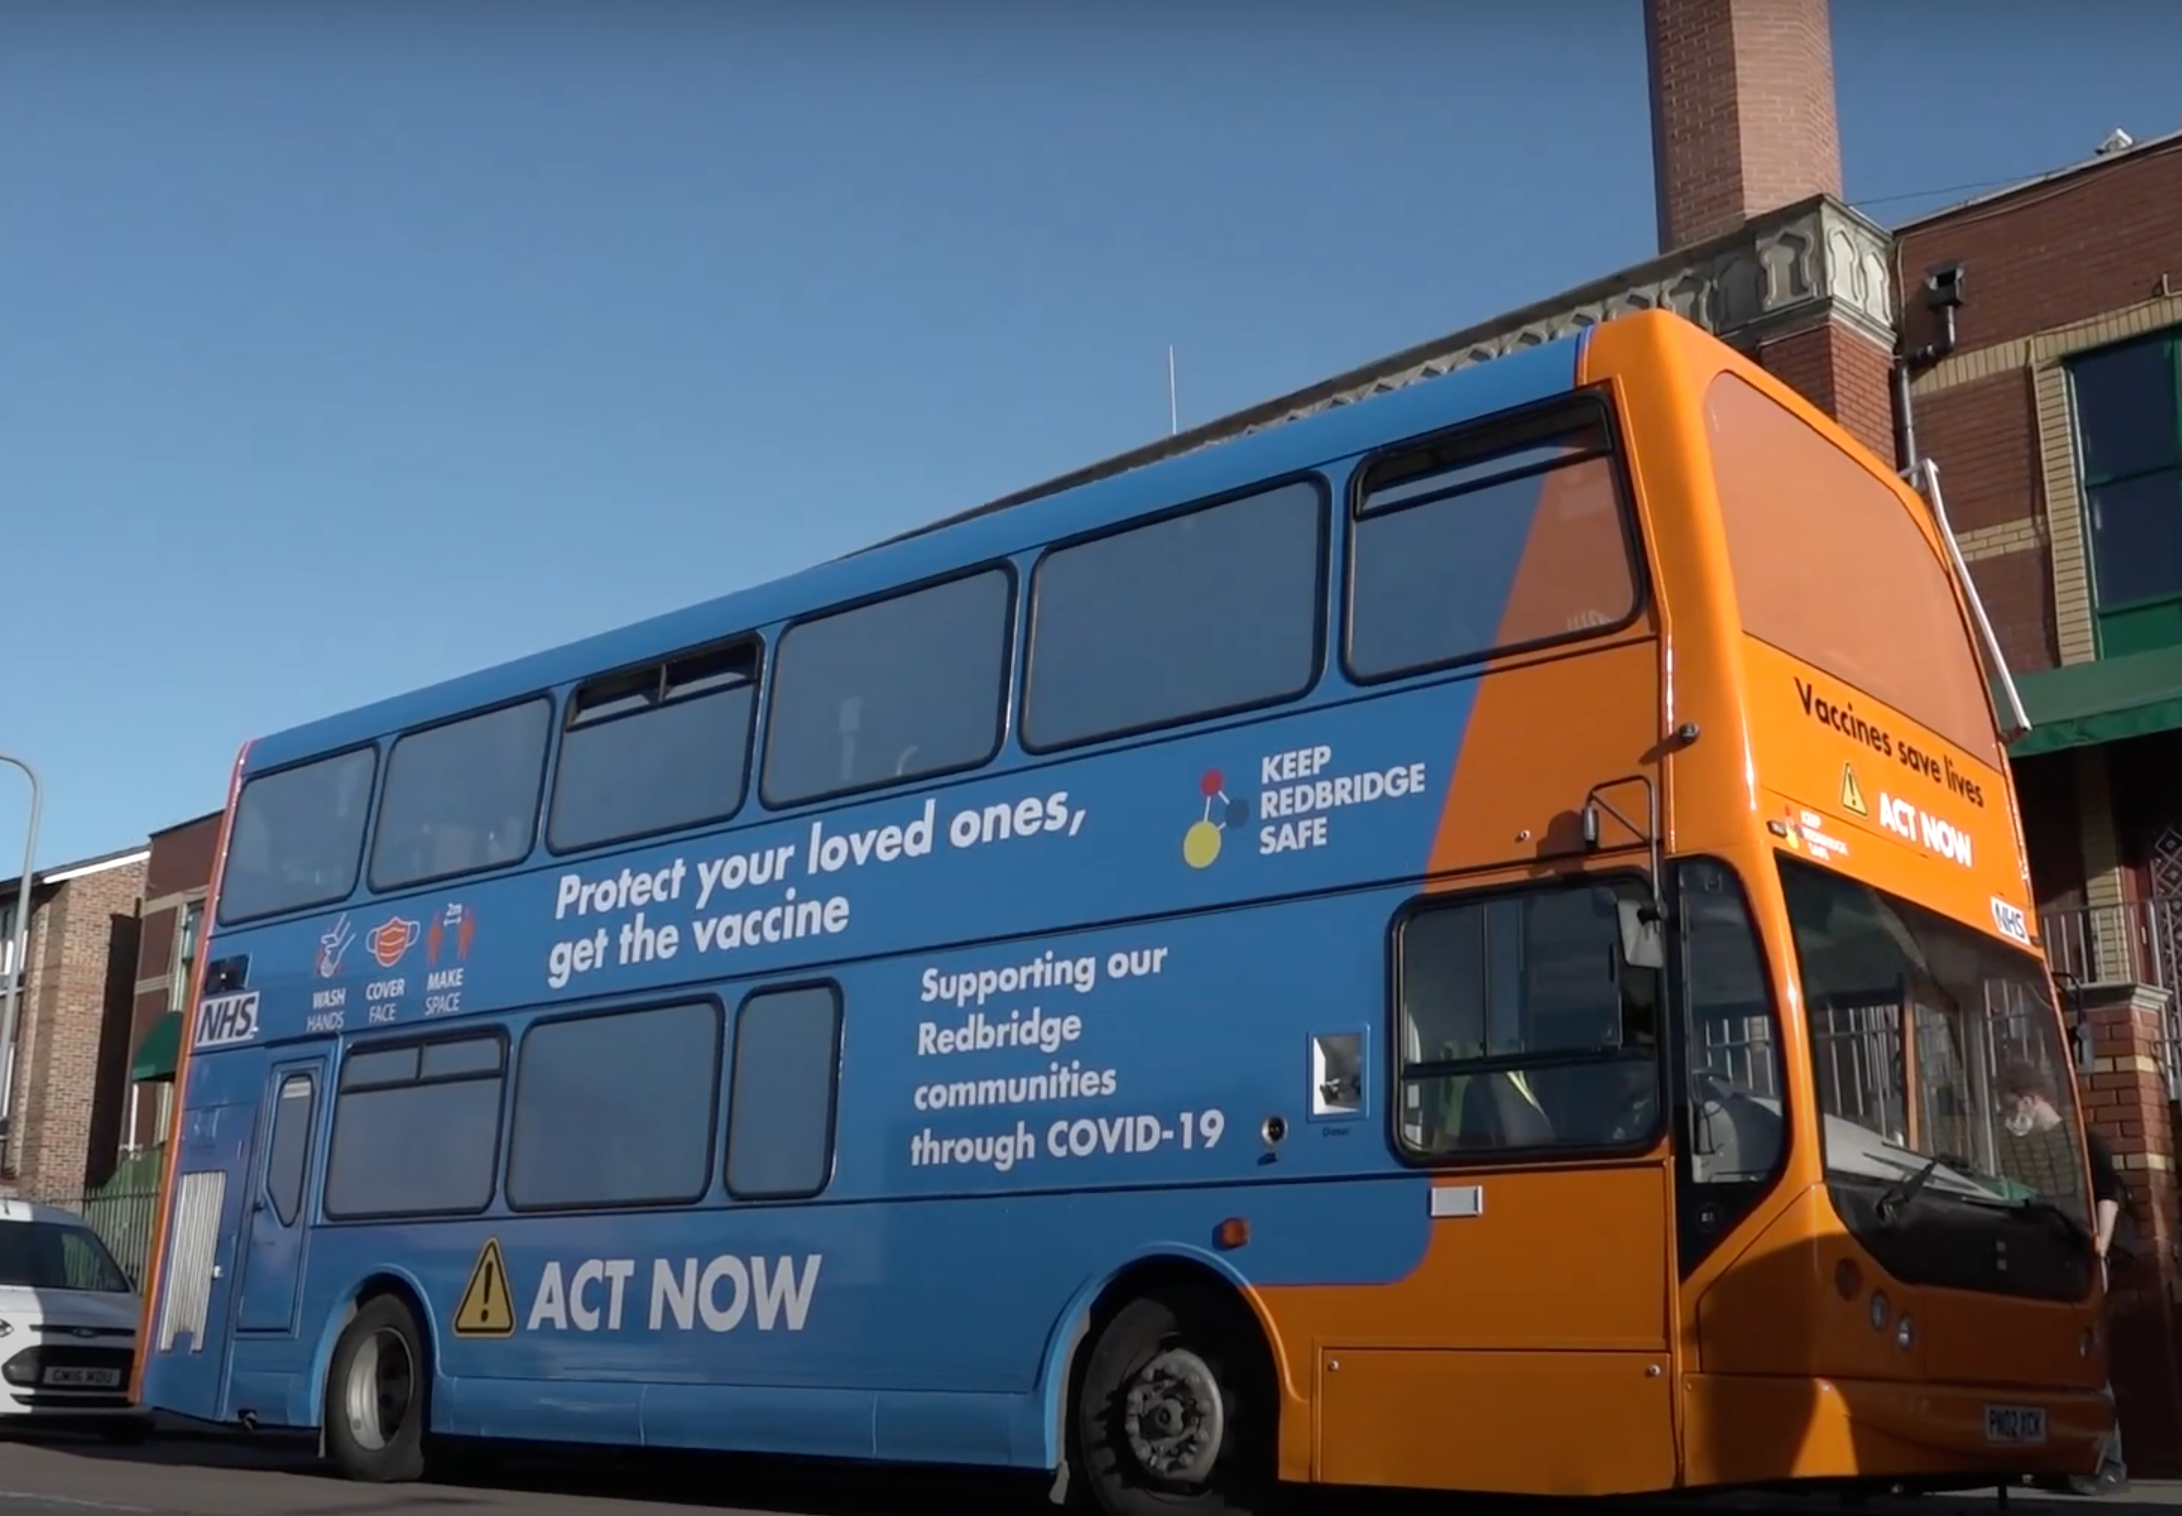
(2037, 1153)
(2040, 1155)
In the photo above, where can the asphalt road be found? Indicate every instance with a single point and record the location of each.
(56, 1476)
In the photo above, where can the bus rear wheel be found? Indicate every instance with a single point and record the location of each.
(376, 1395)
(1174, 1416)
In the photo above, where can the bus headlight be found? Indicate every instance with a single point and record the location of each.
(1904, 1333)
(1879, 1310)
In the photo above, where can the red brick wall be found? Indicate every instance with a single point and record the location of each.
(2128, 1105)
(82, 961)
(1984, 437)
(155, 944)
(1742, 111)
(181, 860)
(2053, 254)
(2044, 258)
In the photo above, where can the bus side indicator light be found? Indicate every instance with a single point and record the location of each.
(1231, 1233)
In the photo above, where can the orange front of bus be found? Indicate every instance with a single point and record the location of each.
(1885, 1220)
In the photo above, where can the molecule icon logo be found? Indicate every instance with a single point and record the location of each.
(1201, 843)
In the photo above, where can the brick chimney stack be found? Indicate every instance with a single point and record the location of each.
(1743, 135)
(1742, 112)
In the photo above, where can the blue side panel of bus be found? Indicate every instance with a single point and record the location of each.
(915, 1310)
(1229, 889)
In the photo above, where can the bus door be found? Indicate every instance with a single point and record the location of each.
(272, 1264)
(1530, 1351)
(186, 1367)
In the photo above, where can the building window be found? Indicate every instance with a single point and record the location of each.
(2128, 404)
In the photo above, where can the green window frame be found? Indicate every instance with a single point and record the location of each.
(2127, 405)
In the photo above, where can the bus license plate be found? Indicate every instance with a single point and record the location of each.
(83, 1379)
(2015, 1423)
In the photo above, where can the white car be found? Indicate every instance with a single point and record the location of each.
(68, 1317)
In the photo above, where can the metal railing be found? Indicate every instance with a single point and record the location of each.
(123, 1219)
(2136, 942)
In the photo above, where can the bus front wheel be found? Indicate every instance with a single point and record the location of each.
(1175, 1413)
(375, 1400)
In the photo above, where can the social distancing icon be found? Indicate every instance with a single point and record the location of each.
(486, 1309)
(1852, 793)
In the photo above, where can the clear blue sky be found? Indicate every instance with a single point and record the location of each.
(353, 346)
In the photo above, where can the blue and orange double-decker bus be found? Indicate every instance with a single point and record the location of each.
(1477, 940)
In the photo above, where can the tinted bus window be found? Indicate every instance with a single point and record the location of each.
(1803, 520)
(781, 1112)
(416, 1132)
(616, 1110)
(461, 797)
(289, 1151)
(1736, 1118)
(898, 689)
(653, 751)
(1520, 1028)
(1456, 556)
(298, 837)
(1197, 615)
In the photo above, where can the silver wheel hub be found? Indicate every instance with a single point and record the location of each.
(1175, 1418)
(380, 1389)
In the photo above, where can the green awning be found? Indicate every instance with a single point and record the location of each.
(2107, 700)
(156, 1052)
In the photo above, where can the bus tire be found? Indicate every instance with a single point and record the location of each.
(378, 1395)
(1174, 1415)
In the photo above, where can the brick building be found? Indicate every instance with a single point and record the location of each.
(2030, 343)
(177, 875)
(2046, 323)
(112, 940)
(80, 954)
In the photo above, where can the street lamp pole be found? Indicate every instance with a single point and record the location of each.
(18, 969)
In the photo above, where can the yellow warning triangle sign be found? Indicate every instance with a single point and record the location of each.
(1852, 794)
(485, 1309)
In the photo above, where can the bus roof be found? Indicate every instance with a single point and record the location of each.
(974, 537)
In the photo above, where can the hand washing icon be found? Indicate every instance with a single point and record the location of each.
(332, 946)
(391, 940)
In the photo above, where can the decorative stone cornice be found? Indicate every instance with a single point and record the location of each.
(1780, 273)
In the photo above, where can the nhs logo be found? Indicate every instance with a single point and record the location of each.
(226, 1020)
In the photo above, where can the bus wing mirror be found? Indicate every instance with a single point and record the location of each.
(1643, 936)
